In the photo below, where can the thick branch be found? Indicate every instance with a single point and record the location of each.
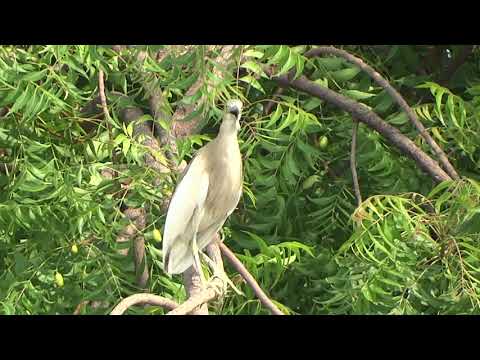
(268, 108)
(259, 293)
(140, 260)
(198, 299)
(368, 117)
(143, 299)
(395, 95)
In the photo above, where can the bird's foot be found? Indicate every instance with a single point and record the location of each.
(219, 273)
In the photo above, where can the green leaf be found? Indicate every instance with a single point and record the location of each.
(357, 95)
(282, 52)
(253, 67)
(275, 116)
(330, 64)
(345, 74)
(253, 82)
(291, 61)
(35, 75)
(253, 53)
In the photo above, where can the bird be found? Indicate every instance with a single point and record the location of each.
(208, 192)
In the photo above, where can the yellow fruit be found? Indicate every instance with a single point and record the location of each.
(323, 142)
(74, 248)
(157, 236)
(59, 279)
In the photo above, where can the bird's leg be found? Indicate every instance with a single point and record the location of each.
(198, 264)
(197, 215)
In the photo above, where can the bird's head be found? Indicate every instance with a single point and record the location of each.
(234, 107)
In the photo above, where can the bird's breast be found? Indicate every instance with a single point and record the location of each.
(225, 184)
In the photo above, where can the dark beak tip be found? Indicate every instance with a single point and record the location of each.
(234, 111)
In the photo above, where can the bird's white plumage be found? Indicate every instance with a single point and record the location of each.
(206, 195)
(189, 196)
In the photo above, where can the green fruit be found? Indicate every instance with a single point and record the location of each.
(309, 182)
(323, 142)
(59, 279)
(157, 236)
(74, 248)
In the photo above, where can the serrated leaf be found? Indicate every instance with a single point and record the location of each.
(22, 99)
(279, 55)
(330, 64)
(357, 95)
(253, 67)
(275, 116)
(34, 75)
(253, 53)
(291, 61)
(345, 74)
(253, 82)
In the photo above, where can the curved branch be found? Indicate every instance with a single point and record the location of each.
(395, 95)
(368, 117)
(259, 293)
(143, 299)
(198, 299)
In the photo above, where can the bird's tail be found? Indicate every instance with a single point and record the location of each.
(178, 258)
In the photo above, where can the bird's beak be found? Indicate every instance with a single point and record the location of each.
(234, 107)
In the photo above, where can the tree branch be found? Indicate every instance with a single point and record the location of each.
(268, 108)
(353, 164)
(259, 293)
(362, 113)
(197, 299)
(395, 95)
(143, 299)
(103, 100)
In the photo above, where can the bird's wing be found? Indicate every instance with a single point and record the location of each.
(189, 196)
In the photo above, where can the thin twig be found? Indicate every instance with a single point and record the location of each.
(259, 293)
(268, 108)
(353, 164)
(395, 95)
(143, 299)
(103, 101)
(80, 306)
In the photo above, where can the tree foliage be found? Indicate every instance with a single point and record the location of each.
(411, 247)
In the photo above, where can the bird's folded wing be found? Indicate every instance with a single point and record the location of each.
(189, 195)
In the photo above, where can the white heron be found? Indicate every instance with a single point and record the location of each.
(207, 194)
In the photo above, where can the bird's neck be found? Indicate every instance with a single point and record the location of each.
(228, 130)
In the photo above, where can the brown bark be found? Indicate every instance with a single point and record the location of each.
(143, 299)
